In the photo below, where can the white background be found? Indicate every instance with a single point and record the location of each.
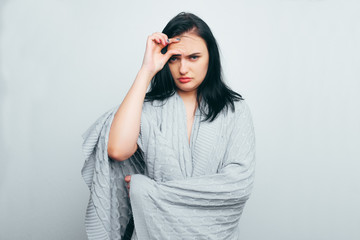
(296, 62)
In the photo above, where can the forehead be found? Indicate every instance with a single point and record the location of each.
(189, 43)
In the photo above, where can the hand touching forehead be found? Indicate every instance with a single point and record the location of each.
(189, 44)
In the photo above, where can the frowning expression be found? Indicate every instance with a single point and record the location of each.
(190, 67)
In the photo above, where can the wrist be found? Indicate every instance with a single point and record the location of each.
(145, 75)
(146, 72)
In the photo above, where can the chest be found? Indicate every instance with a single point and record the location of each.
(181, 145)
(189, 124)
(190, 116)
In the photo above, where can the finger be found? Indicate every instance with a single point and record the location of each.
(169, 53)
(155, 39)
(174, 40)
(163, 38)
(164, 35)
(162, 41)
(156, 35)
(127, 178)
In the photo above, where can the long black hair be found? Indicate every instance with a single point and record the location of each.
(213, 91)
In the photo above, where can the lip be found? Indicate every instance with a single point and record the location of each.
(184, 79)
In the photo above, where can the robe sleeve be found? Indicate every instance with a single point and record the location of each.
(108, 210)
(145, 129)
(207, 206)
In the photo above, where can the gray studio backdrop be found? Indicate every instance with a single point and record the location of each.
(64, 63)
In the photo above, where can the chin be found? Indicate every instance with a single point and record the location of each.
(186, 89)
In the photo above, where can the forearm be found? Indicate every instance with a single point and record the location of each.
(125, 127)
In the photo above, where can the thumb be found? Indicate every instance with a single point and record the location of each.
(169, 53)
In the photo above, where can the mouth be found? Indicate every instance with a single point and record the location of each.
(184, 79)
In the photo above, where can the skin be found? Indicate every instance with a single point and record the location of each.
(192, 62)
(125, 127)
(190, 59)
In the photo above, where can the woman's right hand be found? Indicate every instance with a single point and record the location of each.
(154, 60)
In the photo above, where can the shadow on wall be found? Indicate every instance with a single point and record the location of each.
(3, 154)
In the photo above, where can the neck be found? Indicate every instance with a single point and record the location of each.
(189, 100)
(188, 97)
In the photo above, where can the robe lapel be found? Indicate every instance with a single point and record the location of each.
(204, 156)
(199, 159)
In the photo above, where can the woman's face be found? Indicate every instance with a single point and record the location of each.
(190, 67)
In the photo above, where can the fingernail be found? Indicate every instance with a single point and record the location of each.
(168, 40)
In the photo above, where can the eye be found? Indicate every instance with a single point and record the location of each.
(194, 57)
(172, 59)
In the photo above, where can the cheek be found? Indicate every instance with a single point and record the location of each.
(172, 69)
(204, 68)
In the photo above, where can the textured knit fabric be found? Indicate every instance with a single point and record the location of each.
(177, 190)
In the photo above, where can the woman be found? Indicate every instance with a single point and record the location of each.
(185, 149)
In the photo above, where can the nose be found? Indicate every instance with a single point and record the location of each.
(184, 68)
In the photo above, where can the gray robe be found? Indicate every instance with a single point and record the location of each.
(177, 190)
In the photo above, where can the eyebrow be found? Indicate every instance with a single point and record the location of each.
(177, 55)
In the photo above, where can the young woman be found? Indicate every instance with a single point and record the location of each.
(176, 162)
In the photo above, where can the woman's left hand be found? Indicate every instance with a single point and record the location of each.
(127, 179)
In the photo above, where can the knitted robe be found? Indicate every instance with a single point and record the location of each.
(178, 190)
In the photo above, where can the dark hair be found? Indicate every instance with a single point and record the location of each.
(216, 94)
